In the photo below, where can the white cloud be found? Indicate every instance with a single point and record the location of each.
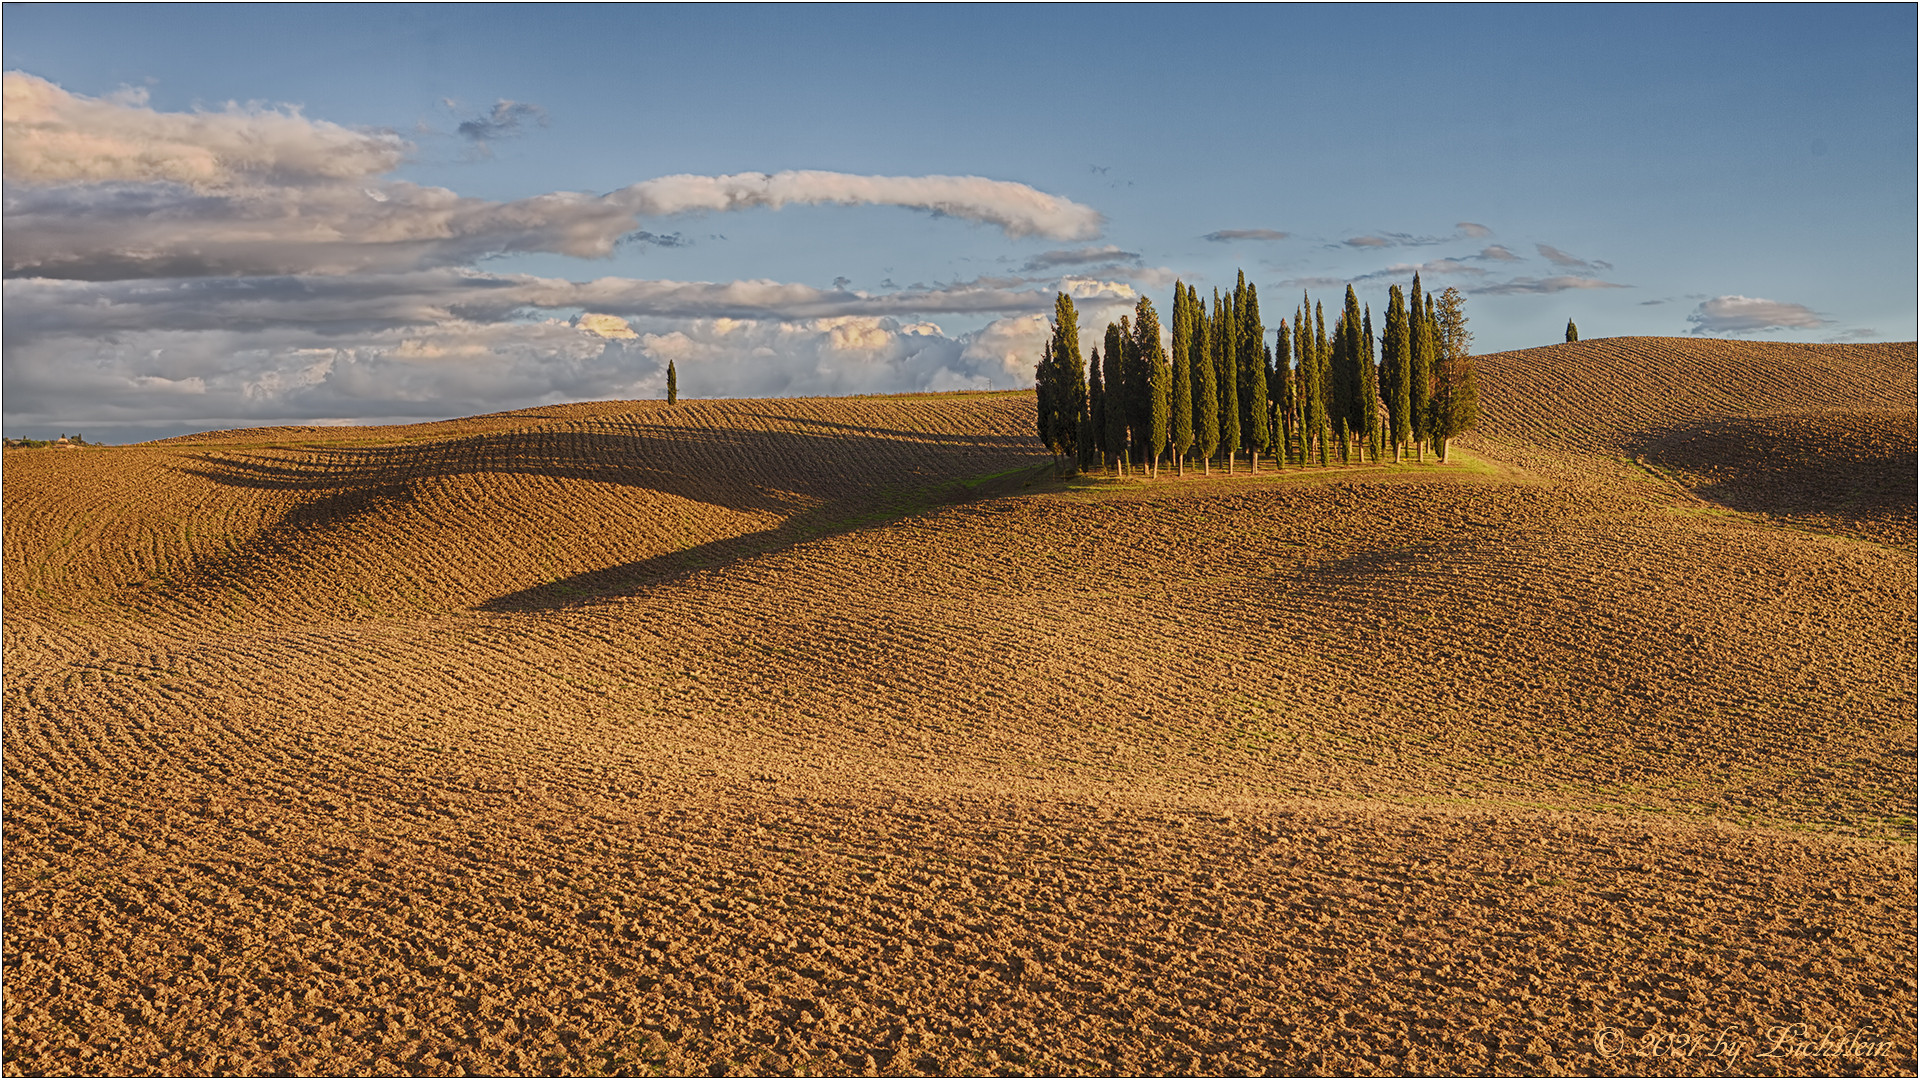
(52, 136)
(1748, 314)
(1498, 253)
(1019, 210)
(1563, 283)
(106, 188)
(1473, 230)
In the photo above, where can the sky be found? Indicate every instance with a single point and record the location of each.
(243, 215)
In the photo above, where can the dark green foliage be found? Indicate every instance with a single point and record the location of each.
(1182, 360)
(1376, 425)
(1116, 387)
(673, 384)
(1223, 331)
(1396, 370)
(1251, 369)
(1206, 388)
(1069, 390)
(1043, 403)
(1455, 405)
(1157, 379)
(1280, 391)
(1096, 409)
(1322, 363)
(1573, 332)
(1420, 373)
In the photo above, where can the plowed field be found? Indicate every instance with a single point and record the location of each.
(836, 736)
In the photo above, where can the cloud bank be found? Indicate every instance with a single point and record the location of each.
(248, 265)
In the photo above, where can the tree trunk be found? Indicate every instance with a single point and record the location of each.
(1442, 449)
(1255, 459)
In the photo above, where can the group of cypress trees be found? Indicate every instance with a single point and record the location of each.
(1311, 396)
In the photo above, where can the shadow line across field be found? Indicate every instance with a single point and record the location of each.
(818, 477)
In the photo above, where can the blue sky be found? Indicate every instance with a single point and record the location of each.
(251, 214)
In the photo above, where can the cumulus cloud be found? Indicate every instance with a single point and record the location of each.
(505, 120)
(1225, 236)
(1749, 314)
(1562, 283)
(1106, 253)
(1473, 230)
(168, 381)
(52, 136)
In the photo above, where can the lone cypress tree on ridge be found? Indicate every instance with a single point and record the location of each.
(1573, 332)
(673, 384)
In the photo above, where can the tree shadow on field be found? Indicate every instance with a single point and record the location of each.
(1850, 468)
(881, 507)
(845, 474)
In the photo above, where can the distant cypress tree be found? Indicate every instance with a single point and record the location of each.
(673, 384)
(1573, 332)
(1455, 406)
(1152, 358)
(1420, 372)
(1116, 396)
(1252, 364)
(1182, 360)
(1069, 377)
(1206, 388)
(1396, 370)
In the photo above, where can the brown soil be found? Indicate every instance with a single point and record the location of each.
(837, 736)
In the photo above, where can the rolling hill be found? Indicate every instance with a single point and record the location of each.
(838, 735)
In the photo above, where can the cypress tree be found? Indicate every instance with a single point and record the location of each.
(1322, 361)
(1043, 403)
(1069, 378)
(1573, 332)
(1376, 423)
(1455, 405)
(1182, 359)
(1252, 364)
(1226, 378)
(1280, 381)
(1350, 355)
(1152, 358)
(1420, 370)
(1396, 360)
(1308, 395)
(1096, 411)
(1206, 389)
(1116, 387)
(673, 384)
(1139, 397)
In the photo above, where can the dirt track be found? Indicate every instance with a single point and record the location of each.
(835, 736)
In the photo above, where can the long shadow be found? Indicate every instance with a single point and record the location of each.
(596, 586)
(1858, 467)
(850, 476)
